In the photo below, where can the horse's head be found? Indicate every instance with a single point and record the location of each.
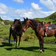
(25, 19)
(16, 23)
(27, 23)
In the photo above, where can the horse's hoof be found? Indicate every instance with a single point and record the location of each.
(41, 51)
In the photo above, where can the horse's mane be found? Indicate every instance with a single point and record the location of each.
(34, 21)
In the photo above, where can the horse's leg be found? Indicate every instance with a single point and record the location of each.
(16, 42)
(55, 35)
(41, 46)
(41, 42)
(55, 38)
(10, 35)
(15, 39)
(19, 39)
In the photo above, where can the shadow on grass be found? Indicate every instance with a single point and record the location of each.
(31, 48)
(24, 48)
(5, 44)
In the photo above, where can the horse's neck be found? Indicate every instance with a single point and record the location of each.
(18, 27)
(38, 27)
(34, 25)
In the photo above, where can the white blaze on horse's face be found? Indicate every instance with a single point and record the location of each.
(13, 27)
(27, 25)
(24, 28)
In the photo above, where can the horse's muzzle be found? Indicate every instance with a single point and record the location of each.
(23, 30)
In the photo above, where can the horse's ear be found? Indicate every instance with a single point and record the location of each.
(15, 20)
(24, 18)
(27, 18)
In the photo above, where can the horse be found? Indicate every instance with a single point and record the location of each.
(48, 26)
(16, 30)
(39, 31)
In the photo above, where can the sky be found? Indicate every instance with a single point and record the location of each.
(17, 9)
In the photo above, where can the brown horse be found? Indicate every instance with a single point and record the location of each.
(39, 31)
(16, 30)
(49, 27)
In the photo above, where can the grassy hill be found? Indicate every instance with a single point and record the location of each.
(6, 22)
(51, 18)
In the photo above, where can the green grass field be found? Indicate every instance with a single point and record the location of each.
(4, 31)
(27, 48)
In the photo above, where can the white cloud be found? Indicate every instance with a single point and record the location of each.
(11, 13)
(32, 13)
(54, 1)
(49, 4)
(28, 14)
(23, 13)
(36, 6)
(19, 1)
(45, 13)
(2, 12)
(6, 18)
(3, 8)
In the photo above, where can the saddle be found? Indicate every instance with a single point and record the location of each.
(53, 26)
(50, 27)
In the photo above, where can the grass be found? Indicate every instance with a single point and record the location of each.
(27, 48)
(4, 31)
